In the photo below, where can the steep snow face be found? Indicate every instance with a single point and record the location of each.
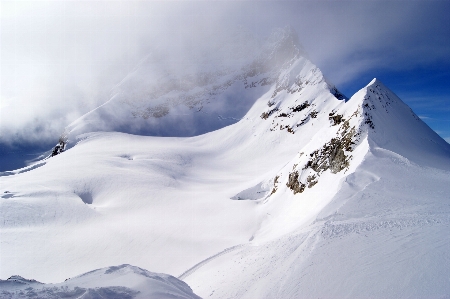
(346, 132)
(395, 127)
(181, 97)
(124, 281)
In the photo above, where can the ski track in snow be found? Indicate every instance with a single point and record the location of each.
(205, 261)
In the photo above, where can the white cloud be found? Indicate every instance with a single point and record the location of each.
(60, 59)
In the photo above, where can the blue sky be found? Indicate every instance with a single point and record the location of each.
(59, 59)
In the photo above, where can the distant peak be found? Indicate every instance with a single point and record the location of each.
(375, 82)
(376, 93)
(20, 279)
(16, 277)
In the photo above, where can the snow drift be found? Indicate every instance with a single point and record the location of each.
(123, 281)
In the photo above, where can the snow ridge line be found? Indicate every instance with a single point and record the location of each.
(197, 266)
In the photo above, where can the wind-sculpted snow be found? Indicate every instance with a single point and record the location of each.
(124, 282)
(336, 230)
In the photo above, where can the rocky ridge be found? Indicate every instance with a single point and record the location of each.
(346, 123)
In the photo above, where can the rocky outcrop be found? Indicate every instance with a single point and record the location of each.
(294, 184)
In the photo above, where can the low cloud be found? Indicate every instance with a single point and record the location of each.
(59, 60)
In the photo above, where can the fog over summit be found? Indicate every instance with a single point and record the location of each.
(197, 95)
(60, 60)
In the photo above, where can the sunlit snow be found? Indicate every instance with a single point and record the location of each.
(308, 195)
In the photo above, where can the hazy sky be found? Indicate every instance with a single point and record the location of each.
(59, 59)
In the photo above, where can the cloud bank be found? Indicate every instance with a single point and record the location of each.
(59, 60)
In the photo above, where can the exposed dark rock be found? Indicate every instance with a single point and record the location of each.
(265, 115)
(294, 184)
(61, 146)
(336, 119)
(301, 107)
(332, 155)
(311, 180)
(275, 183)
(367, 106)
(303, 121)
(368, 120)
(313, 114)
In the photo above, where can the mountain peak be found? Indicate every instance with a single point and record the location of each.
(395, 127)
(373, 82)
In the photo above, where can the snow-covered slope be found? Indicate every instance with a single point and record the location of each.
(112, 189)
(384, 234)
(368, 222)
(309, 194)
(124, 281)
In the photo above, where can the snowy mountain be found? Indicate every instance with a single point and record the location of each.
(308, 194)
(199, 93)
(124, 281)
